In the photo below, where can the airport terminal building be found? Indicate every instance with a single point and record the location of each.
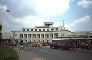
(44, 33)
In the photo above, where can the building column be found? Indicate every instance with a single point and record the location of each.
(36, 37)
(27, 37)
(49, 37)
(53, 36)
(23, 37)
(31, 38)
(44, 37)
(40, 37)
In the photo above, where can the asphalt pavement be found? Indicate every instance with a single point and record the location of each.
(31, 53)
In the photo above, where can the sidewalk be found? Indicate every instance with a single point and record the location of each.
(28, 55)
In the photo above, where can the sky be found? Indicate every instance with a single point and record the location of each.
(76, 14)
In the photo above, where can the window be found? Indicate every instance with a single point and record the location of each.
(62, 34)
(43, 29)
(47, 36)
(35, 29)
(31, 29)
(21, 35)
(25, 35)
(43, 36)
(39, 29)
(23, 29)
(27, 29)
(52, 29)
(30, 35)
(47, 29)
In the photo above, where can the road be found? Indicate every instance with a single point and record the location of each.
(55, 54)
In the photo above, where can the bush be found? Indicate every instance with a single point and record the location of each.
(8, 53)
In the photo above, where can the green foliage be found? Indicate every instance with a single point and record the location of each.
(0, 31)
(7, 53)
(0, 27)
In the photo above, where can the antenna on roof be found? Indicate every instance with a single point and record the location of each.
(63, 24)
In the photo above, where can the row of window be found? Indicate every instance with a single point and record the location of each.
(21, 36)
(38, 35)
(40, 29)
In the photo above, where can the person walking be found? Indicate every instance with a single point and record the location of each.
(21, 45)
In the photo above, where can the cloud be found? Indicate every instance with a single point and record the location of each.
(52, 7)
(30, 21)
(45, 7)
(81, 20)
(3, 7)
(8, 22)
(72, 26)
(85, 3)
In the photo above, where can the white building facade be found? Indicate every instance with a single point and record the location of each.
(41, 33)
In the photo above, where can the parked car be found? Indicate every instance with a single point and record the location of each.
(46, 44)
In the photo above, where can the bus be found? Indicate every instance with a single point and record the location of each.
(73, 42)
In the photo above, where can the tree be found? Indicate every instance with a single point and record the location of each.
(0, 31)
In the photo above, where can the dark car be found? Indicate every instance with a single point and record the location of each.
(46, 44)
(56, 44)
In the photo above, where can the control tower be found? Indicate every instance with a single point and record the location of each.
(48, 23)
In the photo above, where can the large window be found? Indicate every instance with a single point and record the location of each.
(21, 35)
(25, 35)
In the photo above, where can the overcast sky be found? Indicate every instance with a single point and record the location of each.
(77, 14)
